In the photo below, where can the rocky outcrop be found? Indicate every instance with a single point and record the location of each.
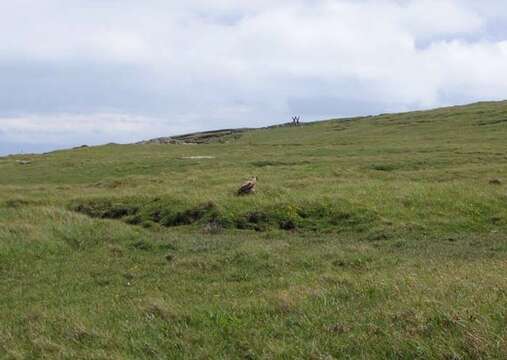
(204, 137)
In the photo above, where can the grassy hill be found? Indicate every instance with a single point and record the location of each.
(374, 237)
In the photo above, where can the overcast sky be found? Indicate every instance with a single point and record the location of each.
(78, 72)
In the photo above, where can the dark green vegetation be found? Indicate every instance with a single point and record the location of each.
(320, 216)
(378, 237)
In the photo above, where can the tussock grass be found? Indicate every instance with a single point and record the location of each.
(321, 216)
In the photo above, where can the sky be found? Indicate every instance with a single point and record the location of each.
(76, 72)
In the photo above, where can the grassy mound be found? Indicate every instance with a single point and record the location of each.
(322, 216)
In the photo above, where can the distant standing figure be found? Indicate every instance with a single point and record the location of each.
(295, 120)
(248, 187)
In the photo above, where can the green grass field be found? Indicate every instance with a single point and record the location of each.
(379, 237)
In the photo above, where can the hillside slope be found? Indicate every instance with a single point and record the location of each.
(373, 237)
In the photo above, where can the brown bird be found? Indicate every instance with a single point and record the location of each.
(248, 187)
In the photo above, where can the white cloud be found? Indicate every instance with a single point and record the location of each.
(71, 129)
(426, 18)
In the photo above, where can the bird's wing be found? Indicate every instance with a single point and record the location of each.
(247, 186)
